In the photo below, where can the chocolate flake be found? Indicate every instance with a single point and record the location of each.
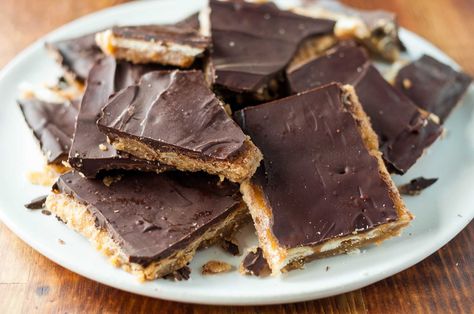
(255, 264)
(230, 247)
(179, 275)
(37, 202)
(416, 186)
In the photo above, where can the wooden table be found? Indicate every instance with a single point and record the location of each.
(442, 283)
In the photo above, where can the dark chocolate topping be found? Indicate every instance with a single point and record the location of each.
(252, 43)
(432, 85)
(175, 110)
(163, 33)
(90, 153)
(255, 264)
(179, 206)
(52, 125)
(416, 186)
(404, 133)
(37, 202)
(77, 55)
(317, 177)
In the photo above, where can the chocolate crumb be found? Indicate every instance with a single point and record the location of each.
(215, 267)
(179, 275)
(415, 186)
(230, 247)
(46, 212)
(61, 241)
(255, 264)
(36, 203)
(327, 268)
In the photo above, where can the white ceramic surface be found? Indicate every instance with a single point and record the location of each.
(441, 211)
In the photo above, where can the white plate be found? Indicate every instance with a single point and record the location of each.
(441, 211)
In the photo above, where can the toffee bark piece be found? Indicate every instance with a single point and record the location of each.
(149, 224)
(52, 125)
(172, 117)
(432, 85)
(376, 29)
(76, 55)
(251, 45)
(255, 264)
(323, 187)
(416, 186)
(90, 152)
(404, 131)
(163, 44)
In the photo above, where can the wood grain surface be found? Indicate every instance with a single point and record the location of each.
(442, 283)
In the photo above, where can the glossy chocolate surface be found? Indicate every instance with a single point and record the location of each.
(173, 110)
(152, 215)
(317, 176)
(90, 152)
(52, 125)
(403, 131)
(252, 43)
(432, 85)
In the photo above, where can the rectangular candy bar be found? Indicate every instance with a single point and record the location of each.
(404, 131)
(323, 188)
(173, 117)
(149, 224)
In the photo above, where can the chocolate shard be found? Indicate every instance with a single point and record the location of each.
(164, 44)
(230, 247)
(173, 113)
(76, 55)
(252, 43)
(432, 85)
(404, 131)
(52, 125)
(255, 264)
(184, 209)
(376, 29)
(90, 152)
(322, 185)
(416, 186)
(37, 202)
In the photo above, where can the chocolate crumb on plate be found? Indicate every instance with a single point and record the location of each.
(255, 264)
(181, 274)
(230, 247)
(216, 267)
(37, 202)
(416, 186)
(46, 212)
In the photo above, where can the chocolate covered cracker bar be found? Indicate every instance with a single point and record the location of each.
(432, 85)
(90, 152)
(149, 224)
(252, 44)
(376, 29)
(404, 131)
(172, 117)
(323, 188)
(163, 44)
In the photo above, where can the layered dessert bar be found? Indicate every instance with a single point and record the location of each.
(164, 44)
(173, 117)
(403, 129)
(251, 45)
(90, 152)
(376, 29)
(432, 85)
(146, 223)
(323, 187)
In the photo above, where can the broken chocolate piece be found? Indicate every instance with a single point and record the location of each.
(52, 125)
(404, 131)
(416, 186)
(184, 210)
(323, 186)
(36, 203)
(376, 29)
(77, 55)
(230, 247)
(163, 44)
(87, 153)
(179, 275)
(432, 85)
(172, 117)
(252, 43)
(215, 267)
(255, 264)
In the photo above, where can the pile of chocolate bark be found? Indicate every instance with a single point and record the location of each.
(163, 139)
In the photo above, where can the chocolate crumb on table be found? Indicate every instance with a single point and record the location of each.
(433, 85)
(173, 118)
(216, 267)
(146, 223)
(323, 188)
(416, 186)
